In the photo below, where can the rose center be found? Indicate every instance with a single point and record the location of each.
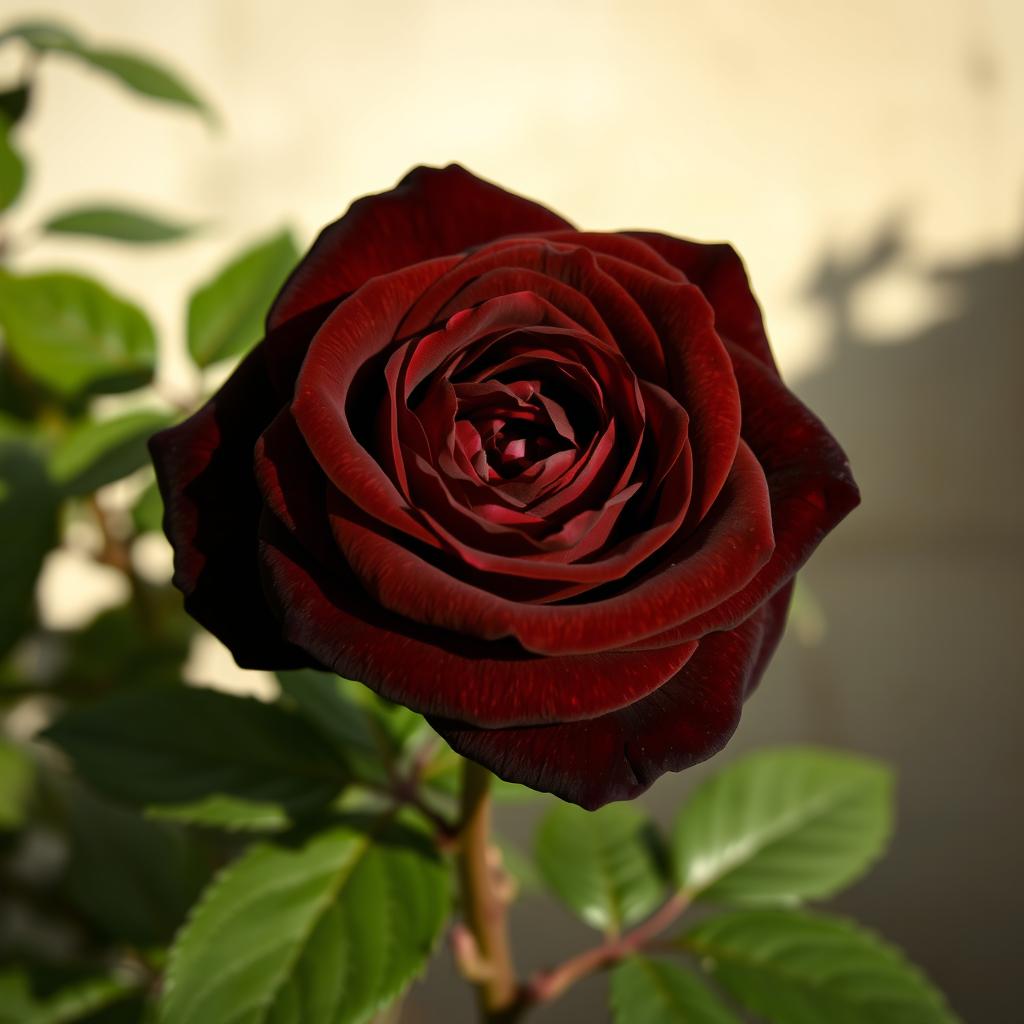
(511, 444)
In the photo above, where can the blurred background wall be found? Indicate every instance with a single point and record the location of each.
(868, 162)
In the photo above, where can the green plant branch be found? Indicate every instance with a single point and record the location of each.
(405, 790)
(117, 553)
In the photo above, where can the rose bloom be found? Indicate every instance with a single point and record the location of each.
(544, 486)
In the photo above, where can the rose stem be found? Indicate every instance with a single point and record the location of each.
(549, 985)
(483, 910)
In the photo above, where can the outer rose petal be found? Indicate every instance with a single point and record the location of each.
(716, 561)
(618, 756)
(324, 610)
(809, 483)
(359, 329)
(700, 370)
(211, 514)
(778, 609)
(718, 271)
(431, 212)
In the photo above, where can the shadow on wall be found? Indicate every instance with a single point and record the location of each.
(922, 590)
(929, 418)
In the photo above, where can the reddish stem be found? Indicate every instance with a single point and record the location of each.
(549, 985)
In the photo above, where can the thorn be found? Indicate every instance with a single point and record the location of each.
(468, 959)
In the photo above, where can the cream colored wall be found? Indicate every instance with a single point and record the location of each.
(783, 126)
(807, 133)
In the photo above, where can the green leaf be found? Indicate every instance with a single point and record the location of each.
(42, 35)
(133, 878)
(144, 76)
(324, 934)
(17, 772)
(444, 775)
(75, 1002)
(224, 812)
(225, 316)
(94, 454)
(73, 335)
(399, 727)
(14, 104)
(12, 167)
(120, 648)
(655, 991)
(323, 701)
(81, 1000)
(367, 730)
(175, 745)
(19, 405)
(792, 967)
(148, 510)
(396, 727)
(28, 518)
(15, 428)
(783, 826)
(140, 74)
(514, 793)
(16, 1002)
(117, 222)
(602, 864)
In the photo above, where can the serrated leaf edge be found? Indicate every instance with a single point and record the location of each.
(746, 850)
(171, 978)
(842, 923)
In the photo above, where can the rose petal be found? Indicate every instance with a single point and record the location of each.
(778, 609)
(502, 280)
(617, 756)
(325, 611)
(622, 245)
(668, 481)
(358, 331)
(431, 212)
(286, 345)
(293, 486)
(700, 372)
(572, 265)
(721, 557)
(417, 438)
(717, 270)
(463, 330)
(809, 483)
(212, 511)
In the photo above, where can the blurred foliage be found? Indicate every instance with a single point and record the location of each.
(225, 315)
(138, 73)
(98, 869)
(176, 853)
(73, 337)
(118, 223)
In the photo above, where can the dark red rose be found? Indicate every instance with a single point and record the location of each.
(544, 486)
